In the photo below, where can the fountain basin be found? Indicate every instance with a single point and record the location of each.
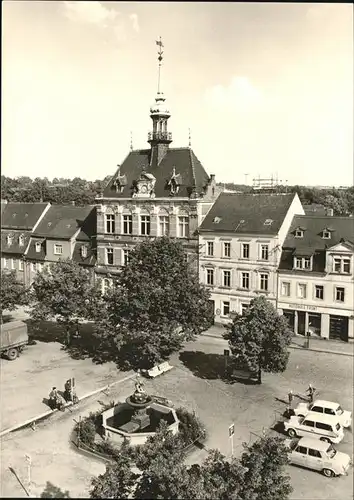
(124, 422)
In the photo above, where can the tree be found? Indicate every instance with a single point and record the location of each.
(64, 293)
(259, 339)
(156, 304)
(118, 481)
(52, 491)
(12, 292)
(264, 478)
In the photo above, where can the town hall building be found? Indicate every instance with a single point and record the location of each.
(159, 191)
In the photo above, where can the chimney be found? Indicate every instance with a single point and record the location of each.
(329, 212)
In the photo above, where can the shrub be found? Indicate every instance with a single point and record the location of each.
(87, 430)
(190, 427)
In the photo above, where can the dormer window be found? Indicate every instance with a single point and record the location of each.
(268, 222)
(38, 246)
(299, 233)
(21, 240)
(216, 220)
(303, 263)
(83, 251)
(326, 235)
(9, 239)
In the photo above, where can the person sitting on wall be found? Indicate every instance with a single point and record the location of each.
(53, 398)
(69, 392)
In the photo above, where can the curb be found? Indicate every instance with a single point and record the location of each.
(50, 412)
(314, 349)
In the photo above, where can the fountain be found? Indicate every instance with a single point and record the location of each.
(137, 418)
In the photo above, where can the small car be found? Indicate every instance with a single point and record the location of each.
(317, 455)
(315, 425)
(327, 408)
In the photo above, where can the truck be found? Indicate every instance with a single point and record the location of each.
(14, 337)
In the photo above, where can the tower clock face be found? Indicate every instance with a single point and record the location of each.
(143, 188)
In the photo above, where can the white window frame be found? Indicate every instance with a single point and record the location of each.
(343, 259)
(21, 240)
(282, 288)
(210, 249)
(110, 224)
(5, 262)
(318, 287)
(304, 287)
(38, 246)
(145, 225)
(264, 249)
(243, 247)
(13, 264)
(210, 272)
(336, 292)
(226, 245)
(303, 263)
(183, 226)
(9, 240)
(109, 252)
(264, 282)
(127, 224)
(125, 256)
(20, 265)
(39, 267)
(226, 272)
(107, 283)
(246, 277)
(225, 304)
(56, 249)
(243, 307)
(164, 225)
(34, 267)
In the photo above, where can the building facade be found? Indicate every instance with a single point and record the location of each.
(160, 191)
(18, 223)
(240, 247)
(316, 285)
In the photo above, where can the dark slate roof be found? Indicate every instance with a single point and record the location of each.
(315, 209)
(90, 259)
(21, 215)
(253, 209)
(312, 243)
(31, 252)
(186, 164)
(342, 228)
(63, 221)
(15, 247)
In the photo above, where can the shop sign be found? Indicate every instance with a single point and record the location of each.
(302, 306)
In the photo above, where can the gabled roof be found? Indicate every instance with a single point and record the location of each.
(15, 247)
(186, 165)
(247, 213)
(21, 215)
(342, 228)
(63, 221)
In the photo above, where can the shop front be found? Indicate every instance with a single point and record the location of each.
(319, 322)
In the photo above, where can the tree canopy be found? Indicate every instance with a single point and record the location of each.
(158, 470)
(12, 292)
(64, 292)
(157, 303)
(259, 338)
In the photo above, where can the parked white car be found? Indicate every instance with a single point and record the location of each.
(327, 408)
(315, 425)
(317, 455)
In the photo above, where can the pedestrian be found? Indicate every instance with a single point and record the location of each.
(311, 392)
(290, 398)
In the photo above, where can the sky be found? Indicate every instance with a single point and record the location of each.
(265, 88)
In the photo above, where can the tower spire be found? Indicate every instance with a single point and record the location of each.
(189, 138)
(159, 58)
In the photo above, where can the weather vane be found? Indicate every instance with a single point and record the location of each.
(160, 54)
(131, 141)
(189, 138)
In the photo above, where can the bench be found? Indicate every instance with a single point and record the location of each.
(154, 372)
(165, 367)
